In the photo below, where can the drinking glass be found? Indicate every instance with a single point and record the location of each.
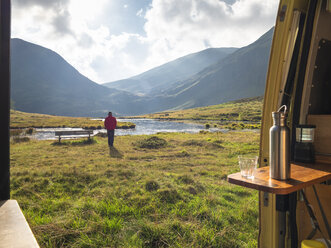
(248, 165)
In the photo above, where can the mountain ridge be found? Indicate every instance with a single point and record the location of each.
(241, 74)
(43, 82)
(159, 78)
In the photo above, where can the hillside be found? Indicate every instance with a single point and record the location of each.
(19, 119)
(162, 77)
(43, 82)
(249, 109)
(240, 75)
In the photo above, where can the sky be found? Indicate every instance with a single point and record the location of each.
(109, 40)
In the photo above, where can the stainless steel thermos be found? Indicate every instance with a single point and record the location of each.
(279, 153)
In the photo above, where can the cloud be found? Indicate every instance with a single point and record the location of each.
(41, 3)
(140, 13)
(61, 23)
(126, 54)
(121, 16)
(53, 12)
(176, 28)
(85, 41)
(112, 40)
(214, 20)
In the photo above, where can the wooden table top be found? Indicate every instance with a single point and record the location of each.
(302, 176)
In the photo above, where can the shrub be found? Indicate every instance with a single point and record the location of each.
(84, 142)
(217, 144)
(29, 130)
(152, 186)
(183, 153)
(127, 126)
(153, 142)
(102, 135)
(194, 143)
(80, 142)
(18, 139)
(186, 179)
(16, 132)
(125, 174)
(207, 125)
(192, 190)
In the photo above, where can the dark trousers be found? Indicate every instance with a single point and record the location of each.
(110, 134)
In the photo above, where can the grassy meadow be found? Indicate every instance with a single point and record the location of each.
(20, 119)
(166, 190)
(225, 115)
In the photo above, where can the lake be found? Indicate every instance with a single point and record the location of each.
(143, 126)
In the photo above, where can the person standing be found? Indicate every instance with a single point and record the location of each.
(110, 125)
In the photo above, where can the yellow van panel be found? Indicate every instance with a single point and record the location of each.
(276, 68)
(268, 219)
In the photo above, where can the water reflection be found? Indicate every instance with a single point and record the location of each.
(143, 126)
(150, 126)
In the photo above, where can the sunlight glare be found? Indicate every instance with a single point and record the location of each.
(85, 10)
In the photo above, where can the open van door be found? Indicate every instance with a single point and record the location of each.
(299, 76)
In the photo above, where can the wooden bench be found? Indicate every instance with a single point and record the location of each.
(73, 133)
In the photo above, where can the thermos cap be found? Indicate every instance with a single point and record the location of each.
(279, 115)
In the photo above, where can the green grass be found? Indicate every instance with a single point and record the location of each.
(20, 119)
(249, 109)
(174, 195)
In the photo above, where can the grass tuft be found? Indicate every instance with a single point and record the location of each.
(194, 143)
(80, 142)
(153, 142)
(185, 179)
(19, 139)
(153, 237)
(169, 195)
(152, 185)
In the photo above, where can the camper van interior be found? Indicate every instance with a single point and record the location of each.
(299, 77)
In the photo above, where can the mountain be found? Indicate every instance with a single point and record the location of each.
(236, 75)
(240, 75)
(161, 77)
(43, 82)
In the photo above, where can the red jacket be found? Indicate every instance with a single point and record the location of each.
(110, 123)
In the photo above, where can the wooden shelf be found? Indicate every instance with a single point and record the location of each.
(302, 176)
